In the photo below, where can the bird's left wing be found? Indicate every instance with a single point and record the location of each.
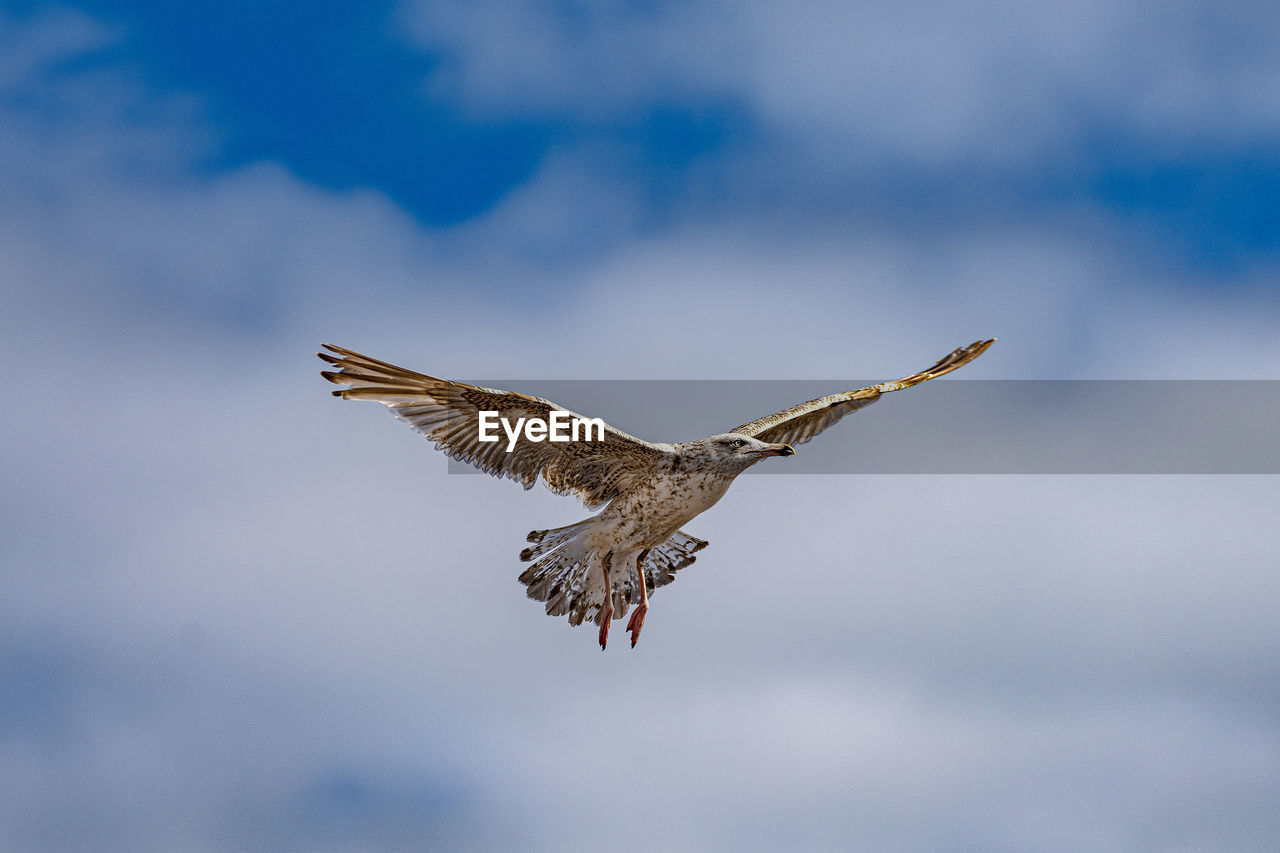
(802, 422)
(448, 413)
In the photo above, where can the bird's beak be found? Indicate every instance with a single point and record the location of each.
(776, 450)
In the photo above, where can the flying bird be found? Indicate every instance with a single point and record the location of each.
(596, 569)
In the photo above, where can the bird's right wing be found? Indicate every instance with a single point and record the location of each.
(802, 422)
(448, 413)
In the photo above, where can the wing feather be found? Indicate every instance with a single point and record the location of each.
(802, 422)
(448, 413)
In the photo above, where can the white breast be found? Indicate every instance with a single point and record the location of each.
(648, 516)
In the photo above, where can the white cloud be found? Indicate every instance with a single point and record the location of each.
(592, 58)
(33, 45)
(989, 83)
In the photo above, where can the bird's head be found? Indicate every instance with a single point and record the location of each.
(734, 451)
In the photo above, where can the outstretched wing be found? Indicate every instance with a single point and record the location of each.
(802, 422)
(448, 413)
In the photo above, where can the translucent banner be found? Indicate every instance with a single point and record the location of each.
(957, 426)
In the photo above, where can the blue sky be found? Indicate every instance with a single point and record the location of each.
(241, 615)
(334, 94)
(341, 98)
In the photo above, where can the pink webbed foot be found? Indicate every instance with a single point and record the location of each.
(637, 622)
(637, 618)
(606, 616)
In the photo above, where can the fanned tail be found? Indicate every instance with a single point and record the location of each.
(566, 574)
(560, 570)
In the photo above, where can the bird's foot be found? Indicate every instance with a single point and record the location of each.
(637, 622)
(606, 616)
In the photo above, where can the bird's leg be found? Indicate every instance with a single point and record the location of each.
(637, 617)
(606, 609)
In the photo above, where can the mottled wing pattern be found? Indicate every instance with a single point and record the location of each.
(448, 414)
(802, 422)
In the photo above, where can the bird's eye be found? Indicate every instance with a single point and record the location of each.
(737, 442)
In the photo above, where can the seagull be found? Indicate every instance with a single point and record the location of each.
(595, 570)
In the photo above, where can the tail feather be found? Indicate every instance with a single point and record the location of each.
(670, 557)
(545, 541)
(567, 576)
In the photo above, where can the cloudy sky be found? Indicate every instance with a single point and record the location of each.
(239, 614)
